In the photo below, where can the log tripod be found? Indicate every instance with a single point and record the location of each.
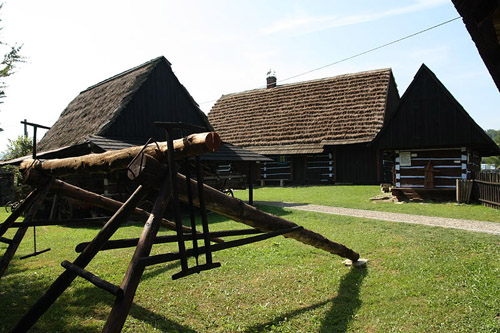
(155, 173)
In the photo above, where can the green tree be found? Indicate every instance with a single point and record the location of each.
(22, 146)
(11, 58)
(495, 135)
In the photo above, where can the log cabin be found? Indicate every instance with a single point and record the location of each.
(316, 131)
(432, 140)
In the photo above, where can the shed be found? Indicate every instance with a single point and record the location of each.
(315, 131)
(433, 139)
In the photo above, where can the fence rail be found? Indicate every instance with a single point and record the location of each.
(488, 188)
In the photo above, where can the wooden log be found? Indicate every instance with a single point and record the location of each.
(109, 204)
(239, 211)
(194, 144)
(132, 277)
(64, 280)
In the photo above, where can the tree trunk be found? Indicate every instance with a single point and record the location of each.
(194, 144)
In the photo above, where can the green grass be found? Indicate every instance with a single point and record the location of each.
(359, 197)
(418, 279)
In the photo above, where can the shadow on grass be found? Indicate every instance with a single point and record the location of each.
(72, 308)
(343, 306)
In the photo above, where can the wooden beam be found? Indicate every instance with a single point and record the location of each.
(194, 144)
(132, 277)
(239, 211)
(109, 204)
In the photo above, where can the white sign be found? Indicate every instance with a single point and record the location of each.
(405, 158)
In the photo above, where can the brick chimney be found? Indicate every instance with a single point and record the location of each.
(271, 79)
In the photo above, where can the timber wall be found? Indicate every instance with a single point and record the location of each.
(448, 164)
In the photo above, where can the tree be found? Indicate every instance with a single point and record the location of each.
(11, 58)
(22, 146)
(495, 135)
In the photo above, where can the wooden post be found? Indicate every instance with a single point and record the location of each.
(18, 237)
(65, 279)
(130, 282)
(250, 183)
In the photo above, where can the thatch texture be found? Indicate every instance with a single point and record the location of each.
(94, 108)
(303, 117)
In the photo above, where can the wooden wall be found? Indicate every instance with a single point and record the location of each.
(350, 164)
(444, 166)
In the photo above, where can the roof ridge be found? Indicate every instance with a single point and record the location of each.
(128, 71)
(312, 81)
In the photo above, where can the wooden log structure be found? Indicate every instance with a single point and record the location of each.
(109, 204)
(239, 211)
(149, 169)
(194, 144)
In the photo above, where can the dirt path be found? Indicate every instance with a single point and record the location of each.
(470, 225)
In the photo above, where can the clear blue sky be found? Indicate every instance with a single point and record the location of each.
(220, 47)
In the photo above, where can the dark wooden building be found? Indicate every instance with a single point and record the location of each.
(432, 139)
(120, 112)
(124, 108)
(316, 131)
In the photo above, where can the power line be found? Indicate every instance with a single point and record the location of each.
(362, 53)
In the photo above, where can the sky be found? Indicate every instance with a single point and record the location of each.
(219, 47)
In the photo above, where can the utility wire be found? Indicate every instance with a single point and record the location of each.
(362, 53)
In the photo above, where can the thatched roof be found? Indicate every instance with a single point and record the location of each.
(304, 117)
(96, 110)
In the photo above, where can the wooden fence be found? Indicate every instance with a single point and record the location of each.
(488, 188)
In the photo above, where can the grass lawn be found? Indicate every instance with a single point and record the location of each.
(359, 197)
(419, 279)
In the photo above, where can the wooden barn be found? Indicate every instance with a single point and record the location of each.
(316, 132)
(120, 112)
(432, 139)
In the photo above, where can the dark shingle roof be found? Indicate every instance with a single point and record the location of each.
(96, 107)
(303, 117)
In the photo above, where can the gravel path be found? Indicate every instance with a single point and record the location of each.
(470, 225)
